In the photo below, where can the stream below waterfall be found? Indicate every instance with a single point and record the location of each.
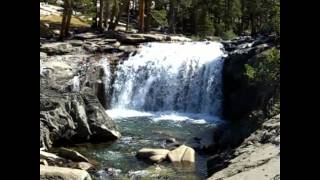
(164, 91)
(153, 130)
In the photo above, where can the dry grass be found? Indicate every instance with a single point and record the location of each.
(56, 20)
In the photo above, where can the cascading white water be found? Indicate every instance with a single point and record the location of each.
(76, 84)
(106, 74)
(180, 77)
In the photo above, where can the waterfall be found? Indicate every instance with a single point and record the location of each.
(106, 75)
(180, 77)
(76, 84)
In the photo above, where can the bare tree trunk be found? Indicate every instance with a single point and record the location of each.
(100, 24)
(148, 17)
(141, 15)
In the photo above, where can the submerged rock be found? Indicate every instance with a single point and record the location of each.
(83, 166)
(61, 173)
(153, 155)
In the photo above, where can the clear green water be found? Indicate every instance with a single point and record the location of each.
(140, 132)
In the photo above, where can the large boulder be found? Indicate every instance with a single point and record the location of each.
(73, 118)
(61, 173)
(153, 155)
(182, 154)
(102, 126)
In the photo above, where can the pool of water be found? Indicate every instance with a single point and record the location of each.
(142, 129)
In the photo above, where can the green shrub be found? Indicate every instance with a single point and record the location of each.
(219, 27)
(160, 17)
(228, 35)
(250, 72)
(265, 68)
(204, 25)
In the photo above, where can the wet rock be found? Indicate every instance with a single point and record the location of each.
(58, 48)
(116, 44)
(43, 55)
(138, 174)
(113, 171)
(102, 126)
(87, 35)
(127, 38)
(61, 173)
(107, 49)
(83, 166)
(51, 158)
(71, 154)
(43, 162)
(182, 154)
(75, 42)
(90, 47)
(153, 155)
(171, 140)
(128, 48)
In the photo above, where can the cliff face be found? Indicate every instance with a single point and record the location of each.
(258, 157)
(251, 79)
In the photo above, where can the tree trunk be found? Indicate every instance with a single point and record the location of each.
(148, 17)
(120, 10)
(113, 18)
(128, 15)
(66, 18)
(172, 28)
(95, 18)
(106, 13)
(253, 25)
(141, 15)
(68, 21)
(100, 24)
(63, 24)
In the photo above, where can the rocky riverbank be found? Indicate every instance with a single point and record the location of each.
(73, 99)
(258, 156)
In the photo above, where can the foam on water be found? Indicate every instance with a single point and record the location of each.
(125, 113)
(164, 116)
